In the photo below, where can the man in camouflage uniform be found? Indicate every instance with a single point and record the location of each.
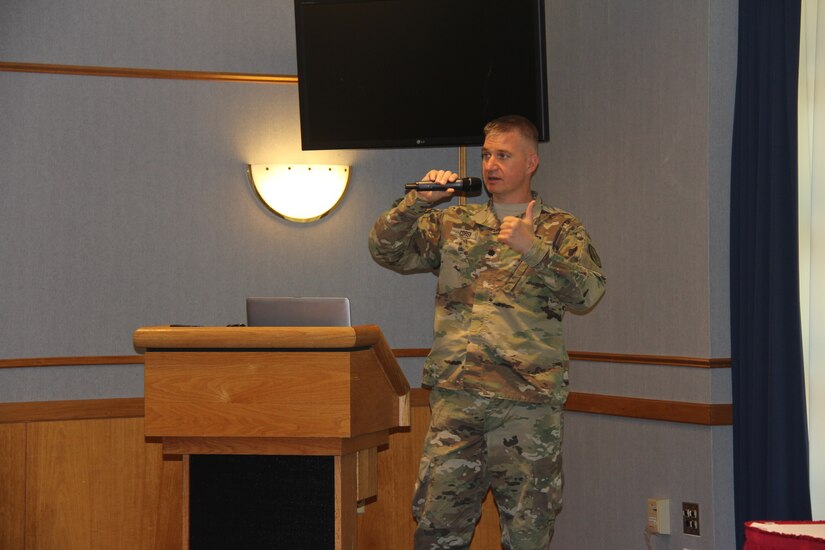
(507, 272)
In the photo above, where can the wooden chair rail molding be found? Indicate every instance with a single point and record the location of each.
(126, 72)
(631, 407)
(597, 357)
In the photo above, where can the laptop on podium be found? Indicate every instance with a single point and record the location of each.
(298, 312)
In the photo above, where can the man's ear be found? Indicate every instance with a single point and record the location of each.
(532, 163)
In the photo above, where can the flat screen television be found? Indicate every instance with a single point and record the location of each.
(417, 73)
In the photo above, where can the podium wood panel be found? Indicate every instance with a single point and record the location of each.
(266, 394)
(232, 394)
(272, 390)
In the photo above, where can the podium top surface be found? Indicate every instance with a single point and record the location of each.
(185, 337)
(284, 338)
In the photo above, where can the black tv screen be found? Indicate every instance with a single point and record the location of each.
(417, 73)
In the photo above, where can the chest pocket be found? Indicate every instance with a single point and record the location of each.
(458, 257)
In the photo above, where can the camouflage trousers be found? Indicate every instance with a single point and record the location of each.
(475, 443)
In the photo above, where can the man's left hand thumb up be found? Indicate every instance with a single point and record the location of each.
(517, 233)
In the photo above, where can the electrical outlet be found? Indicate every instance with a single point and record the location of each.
(690, 518)
(658, 515)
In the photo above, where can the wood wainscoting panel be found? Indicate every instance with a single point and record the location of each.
(387, 521)
(98, 484)
(12, 486)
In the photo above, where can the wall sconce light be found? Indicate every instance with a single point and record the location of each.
(299, 192)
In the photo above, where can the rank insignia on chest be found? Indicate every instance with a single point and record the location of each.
(465, 235)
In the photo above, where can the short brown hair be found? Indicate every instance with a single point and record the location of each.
(510, 123)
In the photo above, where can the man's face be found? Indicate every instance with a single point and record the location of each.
(508, 161)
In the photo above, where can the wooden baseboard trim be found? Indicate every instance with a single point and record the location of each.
(127, 72)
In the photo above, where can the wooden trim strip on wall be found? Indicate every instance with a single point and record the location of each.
(650, 409)
(662, 360)
(71, 361)
(618, 358)
(80, 409)
(85, 70)
(622, 358)
(632, 407)
(411, 352)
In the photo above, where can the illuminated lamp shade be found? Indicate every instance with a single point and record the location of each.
(299, 192)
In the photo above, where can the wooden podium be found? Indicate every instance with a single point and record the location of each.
(298, 391)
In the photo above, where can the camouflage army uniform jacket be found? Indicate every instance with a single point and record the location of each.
(498, 319)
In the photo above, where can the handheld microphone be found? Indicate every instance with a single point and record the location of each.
(461, 184)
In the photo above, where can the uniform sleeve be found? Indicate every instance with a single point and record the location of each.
(570, 266)
(407, 237)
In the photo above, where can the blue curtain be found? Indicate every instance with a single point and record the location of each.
(769, 421)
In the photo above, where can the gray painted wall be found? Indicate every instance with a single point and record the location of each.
(125, 203)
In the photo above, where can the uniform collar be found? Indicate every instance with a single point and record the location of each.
(487, 217)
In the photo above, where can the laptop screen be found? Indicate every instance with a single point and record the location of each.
(298, 312)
